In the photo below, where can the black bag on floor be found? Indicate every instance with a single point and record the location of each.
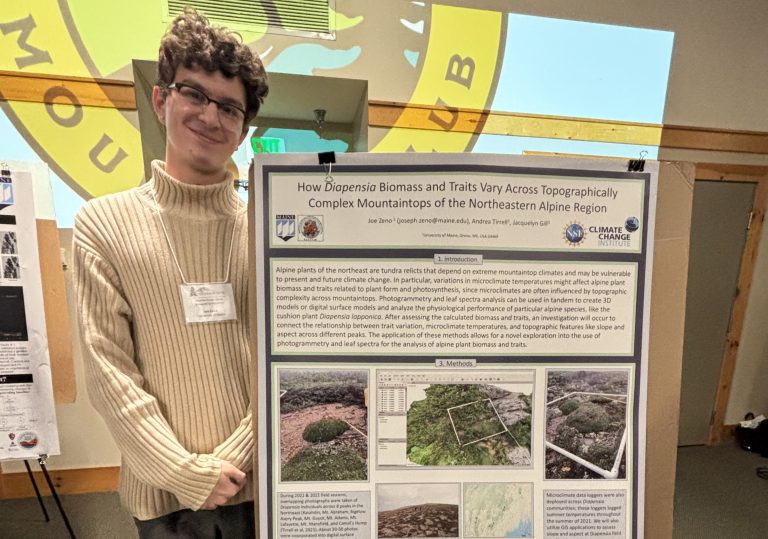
(755, 440)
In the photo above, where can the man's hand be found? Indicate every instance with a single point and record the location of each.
(231, 480)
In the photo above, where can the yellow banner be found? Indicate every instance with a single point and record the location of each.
(95, 150)
(459, 71)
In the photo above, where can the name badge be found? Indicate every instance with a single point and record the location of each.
(208, 302)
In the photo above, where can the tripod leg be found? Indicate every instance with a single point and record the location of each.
(37, 491)
(58, 502)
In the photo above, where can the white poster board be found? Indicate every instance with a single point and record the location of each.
(27, 412)
(452, 345)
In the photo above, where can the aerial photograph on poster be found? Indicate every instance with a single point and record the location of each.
(470, 425)
(323, 424)
(586, 431)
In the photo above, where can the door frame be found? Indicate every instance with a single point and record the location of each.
(758, 175)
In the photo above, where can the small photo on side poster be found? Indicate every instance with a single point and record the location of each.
(13, 318)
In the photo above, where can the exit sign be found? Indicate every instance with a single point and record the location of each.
(267, 145)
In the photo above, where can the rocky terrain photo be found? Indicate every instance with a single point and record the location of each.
(426, 520)
(586, 416)
(323, 425)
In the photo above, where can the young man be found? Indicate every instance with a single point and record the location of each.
(160, 274)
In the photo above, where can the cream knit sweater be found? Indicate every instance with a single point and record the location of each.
(175, 396)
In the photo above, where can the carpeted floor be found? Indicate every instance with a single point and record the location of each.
(92, 516)
(718, 496)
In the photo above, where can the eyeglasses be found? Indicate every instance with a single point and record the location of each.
(231, 116)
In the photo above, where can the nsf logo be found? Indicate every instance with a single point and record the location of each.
(574, 234)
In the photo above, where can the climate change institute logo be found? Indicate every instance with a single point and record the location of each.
(574, 234)
(632, 224)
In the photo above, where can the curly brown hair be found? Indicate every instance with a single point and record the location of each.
(193, 42)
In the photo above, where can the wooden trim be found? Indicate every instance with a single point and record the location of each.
(90, 92)
(738, 312)
(113, 93)
(721, 140)
(266, 122)
(416, 116)
(731, 173)
(74, 481)
(465, 120)
(56, 309)
(728, 433)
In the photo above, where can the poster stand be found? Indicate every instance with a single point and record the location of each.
(27, 385)
(37, 491)
(41, 460)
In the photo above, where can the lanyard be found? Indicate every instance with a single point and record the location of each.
(173, 251)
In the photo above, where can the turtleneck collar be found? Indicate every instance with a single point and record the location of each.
(195, 201)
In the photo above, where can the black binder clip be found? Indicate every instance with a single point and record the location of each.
(637, 165)
(327, 159)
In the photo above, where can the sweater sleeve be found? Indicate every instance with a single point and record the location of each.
(237, 449)
(115, 386)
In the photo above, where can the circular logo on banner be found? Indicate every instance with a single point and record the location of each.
(458, 68)
(95, 150)
(632, 224)
(449, 59)
(311, 228)
(28, 440)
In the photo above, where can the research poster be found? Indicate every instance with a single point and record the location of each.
(451, 345)
(27, 412)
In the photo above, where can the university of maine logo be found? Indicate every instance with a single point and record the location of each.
(285, 225)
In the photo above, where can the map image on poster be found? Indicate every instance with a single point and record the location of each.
(453, 345)
(498, 510)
